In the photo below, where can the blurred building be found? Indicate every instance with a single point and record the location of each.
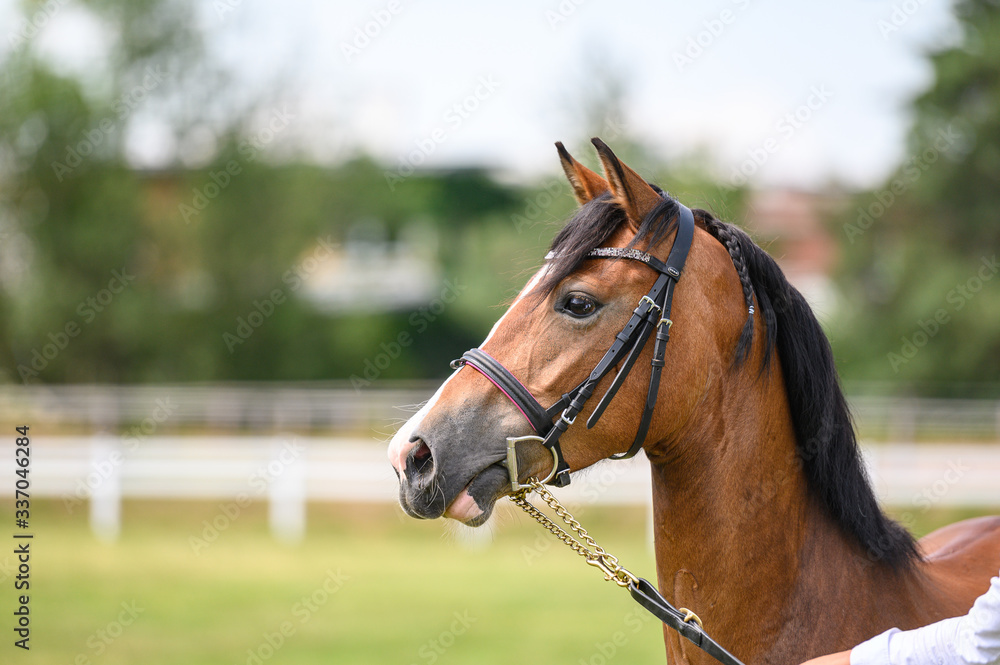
(370, 270)
(792, 226)
(359, 267)
(373, 272)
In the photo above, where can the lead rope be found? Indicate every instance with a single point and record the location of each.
(683, 620)
(595, 555)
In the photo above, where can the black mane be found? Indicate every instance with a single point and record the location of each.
(825, 439)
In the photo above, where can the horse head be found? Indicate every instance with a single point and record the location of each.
(450, 456)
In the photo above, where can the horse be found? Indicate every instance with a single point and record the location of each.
(765, 523)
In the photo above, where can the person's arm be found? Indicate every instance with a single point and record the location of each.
(934, 644)
(840, 658)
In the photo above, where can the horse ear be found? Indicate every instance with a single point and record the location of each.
(628, 189)
(586, 184)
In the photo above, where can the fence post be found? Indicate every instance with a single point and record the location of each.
(287, 491)
(106, 460)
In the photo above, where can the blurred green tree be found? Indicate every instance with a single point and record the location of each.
(921, 295)
(70, 202)
(111, 271)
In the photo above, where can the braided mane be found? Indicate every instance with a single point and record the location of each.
(825, 438)
(733, 238)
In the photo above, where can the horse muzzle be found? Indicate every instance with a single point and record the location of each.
(433, 484)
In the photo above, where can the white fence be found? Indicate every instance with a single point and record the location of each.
(336, 407)
(97, 472)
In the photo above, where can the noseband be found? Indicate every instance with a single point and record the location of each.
(653, 311)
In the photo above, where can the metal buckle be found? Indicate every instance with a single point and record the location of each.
(690, 616)
(568, 421)
(652, 305)
(613, 572)
(512, 471)
(670, 324)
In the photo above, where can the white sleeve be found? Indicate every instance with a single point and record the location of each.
(972, 639)
(979, 639)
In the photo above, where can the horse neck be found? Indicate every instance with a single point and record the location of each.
(740, 540)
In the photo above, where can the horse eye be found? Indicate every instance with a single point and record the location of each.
(579, 306)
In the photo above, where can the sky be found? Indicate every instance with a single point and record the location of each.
(784, 93)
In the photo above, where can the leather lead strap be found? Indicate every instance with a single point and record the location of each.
(646, 595)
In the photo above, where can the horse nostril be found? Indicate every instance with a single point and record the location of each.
(421, 459)
(421, 451)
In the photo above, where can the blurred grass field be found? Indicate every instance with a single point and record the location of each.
(397, 590)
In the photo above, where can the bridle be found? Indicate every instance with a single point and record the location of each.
(652, 312)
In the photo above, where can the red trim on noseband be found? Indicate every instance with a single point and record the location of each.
(512, 400)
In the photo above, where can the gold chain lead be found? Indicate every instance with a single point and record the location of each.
(594, 554)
